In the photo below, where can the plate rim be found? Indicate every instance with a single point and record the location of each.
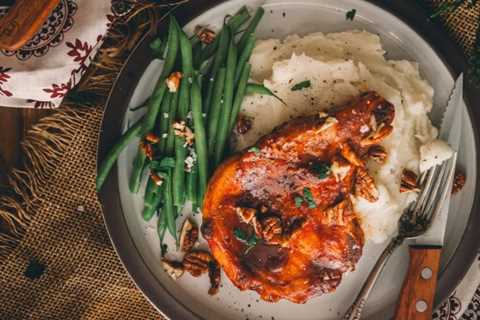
(117, 103)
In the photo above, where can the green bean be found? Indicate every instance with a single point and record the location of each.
(184, 102)
(137, 170)
(115, 151)
(191, 189)
(163, 121)
(158, 48)
(256, 88)
(234, 23)
(251, 28)
(169, 145)
(200, 138)
(239, 95)
(169, 209)
(218, 60)
(160, 89)
(237, 20)
(214, 112)
(244, 57)
(152, 200)
(224, 122)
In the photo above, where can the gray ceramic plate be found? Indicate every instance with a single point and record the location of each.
(136, 241)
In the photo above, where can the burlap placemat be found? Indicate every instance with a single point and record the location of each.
(57, 261)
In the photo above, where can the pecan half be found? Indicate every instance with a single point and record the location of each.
(246, 214)
(376, 137)
(272, 230)
(188, 236)
(180, 129)
(214, 276)
(409, 181)
(173, 81)
(365, 185)
(147, 149)
(458, 182)
(173, 268)
(196, 262)
(156, 178)
(336, 214)
(377, 153)
(204, 34)
(152, 138)
(350, 155)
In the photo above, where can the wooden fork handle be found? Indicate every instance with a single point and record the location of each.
(23, 21)
(418, 290)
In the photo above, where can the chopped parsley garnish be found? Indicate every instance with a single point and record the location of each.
(241, 235)
(350, 15)
(254, 149)
(321, 169)
(298, 201)
(302, 85)
(35, 269)
(308, 196)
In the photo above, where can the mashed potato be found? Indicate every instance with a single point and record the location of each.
(340, 66)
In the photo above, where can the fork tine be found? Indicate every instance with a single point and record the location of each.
(447, 183)
(433, 192)
(428, 176)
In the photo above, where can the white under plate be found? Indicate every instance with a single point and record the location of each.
(281, 19)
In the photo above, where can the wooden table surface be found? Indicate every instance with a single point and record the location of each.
(14, 124)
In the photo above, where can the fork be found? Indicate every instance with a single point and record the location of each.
(414, 222)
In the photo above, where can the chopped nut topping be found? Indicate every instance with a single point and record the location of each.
(340, 168)
(246, 214)
(458, 182)
(244, 124)
(196, 262)
(156, 178)
(348, 153)
(180, 129)
(409, 181)
(173, 268)
(214, 276)
(272, 230)
(188, 236)
(204, 34)
(377, 136)
(377, 153)
(329, 121)
(336, 214)
(152, 138)
(147, 149)
(173, 81)
(365, 185)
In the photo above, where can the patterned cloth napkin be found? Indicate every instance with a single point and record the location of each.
(41, 73)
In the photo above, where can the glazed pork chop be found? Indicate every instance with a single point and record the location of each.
(278, 217)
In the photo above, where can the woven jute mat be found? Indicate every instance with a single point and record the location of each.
(56, 259)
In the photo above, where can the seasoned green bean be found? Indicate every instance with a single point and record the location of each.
(244, 57)
(251, 28)
(218, 60)
(114, 152)
(191, 189)
(152, 200)
(168, 208)
(200, 138)
(163, 121)
(160, 89)
(169, 145)
(223, 124)
(239, 95)
(214, 112)
(137, 170)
